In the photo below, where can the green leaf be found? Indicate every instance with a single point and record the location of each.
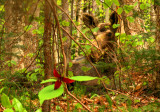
(33, 77)
(108, 3)
(13, 62)
(119, 10)
(48, 93)
(48, 80)
(95, 29)
(2, 89)
(70, 73)
(109, 100)
(83, 78)
(85, 69)
(27, 28)
(98, 2)
(117, 34)
(5, 101)
(70, 64)
(116, 25)
(130, 19)
(87, 47)
(128, 8)
(8, 110)
(116, 2)
(18, 106)
(65, 23)
(78, 105)
(39, 110)
(142, 6)
(1, 80)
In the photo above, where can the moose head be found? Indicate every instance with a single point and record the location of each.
(105, 36)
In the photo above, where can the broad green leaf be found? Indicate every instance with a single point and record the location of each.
(18, 106)
(83, 78)
(5, 101)
(8, 110)
(109, 100)
(119, 10)
(48, 93)
(48, 80)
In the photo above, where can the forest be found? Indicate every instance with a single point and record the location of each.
(79, 55)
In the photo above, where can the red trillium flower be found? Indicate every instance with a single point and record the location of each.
(60, 79)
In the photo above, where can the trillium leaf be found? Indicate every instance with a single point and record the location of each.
(83, 78)
(48, 80)
(48, 93)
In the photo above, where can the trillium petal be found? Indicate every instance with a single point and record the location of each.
(67, 80)
(56, 73)
(57, 84)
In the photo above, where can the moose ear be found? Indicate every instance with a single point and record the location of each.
(113, 18)
(89, 20)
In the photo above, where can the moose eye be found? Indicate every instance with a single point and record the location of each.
(102, 29)
(109, 34)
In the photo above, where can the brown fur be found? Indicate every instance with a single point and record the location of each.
(105, 37)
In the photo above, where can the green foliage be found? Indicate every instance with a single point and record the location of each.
(16, 104)
(83, 78)
(109, 100)
(5, 101)
(49, 93)
(85, 69)
(48, 80)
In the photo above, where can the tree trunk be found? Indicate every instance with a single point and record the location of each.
(67, 43)
(157, 11)
(30, 40)
(47, 51)
(14, 17)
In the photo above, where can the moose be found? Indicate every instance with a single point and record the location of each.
(104, 41)
(105, 36)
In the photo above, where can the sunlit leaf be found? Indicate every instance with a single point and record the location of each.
(8, 110)
(39, 110)
(119, 10)
(116, 2)
(48, 93)
(5, 101)
(83, 78)
(18, 106)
